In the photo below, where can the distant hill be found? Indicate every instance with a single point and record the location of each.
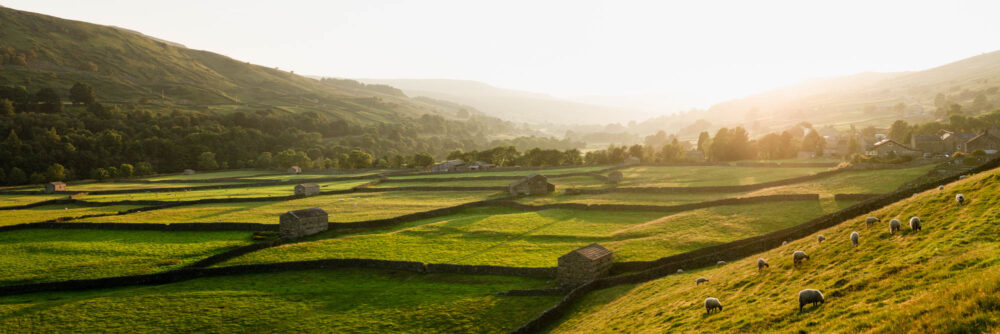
(513, 105)
(871, 98)
(125, 66)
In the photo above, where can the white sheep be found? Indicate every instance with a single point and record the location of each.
(871, 221)
(820, 238)
(712, 304)
(810, 296)
(680, 271)
(700, 280)
(799, 256)
(761, 264)
(854, 238)
(941, 187)
(893, 226)
(784, 243)
(720, 263)
(915, 224)
(962, 177)
(960, 198)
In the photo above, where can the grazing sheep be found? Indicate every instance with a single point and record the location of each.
(960, 198)
(915, 224)
(820, 238)
(893, 226)
(761, 264)
(810, 296)
(784, 243)
(854, 238)
(680, 271)
(940, 187)
(720, 263)
(871, 221)
(700, 280)
(799, 256)
(712, 304)
(962, 177)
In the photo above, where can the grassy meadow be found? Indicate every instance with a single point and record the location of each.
(247, 192)
(705, 176)
(312, 301)
(31, 256)
(17, 200)
(50, 212)
(942, 279)
(214, 175)
(500, 236)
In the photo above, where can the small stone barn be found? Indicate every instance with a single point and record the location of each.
(188, 171)
(300, 223)
(307, 189)
(615, 177)
(531, 185)
(53, 187)
(295, 170)
(584, 264)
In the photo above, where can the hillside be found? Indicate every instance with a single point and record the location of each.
(125, 66)
(512, 105)
(944, 278)
(871, 98)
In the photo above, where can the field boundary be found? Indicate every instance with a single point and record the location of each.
(708, 256)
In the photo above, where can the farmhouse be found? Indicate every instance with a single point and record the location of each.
(929, 144)
(984, 141)
(300, 223)
(583, 265)
(631, 161)
(531, 185)
(53, 187)
(307, 189)
(615, 177)
(295, 170)
(188, 171)
(888, 148)
(450, 166)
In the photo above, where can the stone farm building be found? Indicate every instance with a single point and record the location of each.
(53, 187)
(295, 170)
(307, 189)
(300, 223)
(583, 265)
(533, 184)
(889, 148)
(450, 166)
(615, 177)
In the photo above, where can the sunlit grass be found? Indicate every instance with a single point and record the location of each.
(700, 176)
(49, 212)
(547, 172)
(213, 175)
(16, 200)
(260, 191)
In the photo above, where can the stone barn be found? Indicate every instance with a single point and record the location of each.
(300, 223)
(188, 171)
(53, 187)
(307, 189)
(583, 265)
(615, 177)
(295, 170)
(533, 184)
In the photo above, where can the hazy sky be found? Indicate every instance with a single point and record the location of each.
(711, 49)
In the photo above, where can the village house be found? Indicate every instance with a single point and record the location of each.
(533, 184)
(52, 187)
(449, 166)
(985, 141)
(584, 264)
(890, 148)
(307, 189)
(955, 141)
(295, 170)
(300, 223)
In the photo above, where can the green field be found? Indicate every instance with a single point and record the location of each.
(306, 176)
(47, 255)
(261, 191)
(102, 186)
(852, 182)
(546, 172)
(341, 208)
(703, 176)
(213, 175)
(313, 301)
(498, 236)
(49, 212)
(464, 183)
(16, 200)
(945, 279)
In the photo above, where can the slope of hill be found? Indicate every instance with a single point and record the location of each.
(944, 278)
(871, 98)
(512, 105)
(125, 66)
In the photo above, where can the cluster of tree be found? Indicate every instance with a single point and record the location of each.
(510, 156)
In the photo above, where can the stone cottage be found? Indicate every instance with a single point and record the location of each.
(533, 184)
(615, 177)
(295, 170)
(583, 265)
(307, 189)
(300, 223)
(52, 187)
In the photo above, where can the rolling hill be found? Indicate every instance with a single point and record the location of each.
(125, 66)
(944, 278)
